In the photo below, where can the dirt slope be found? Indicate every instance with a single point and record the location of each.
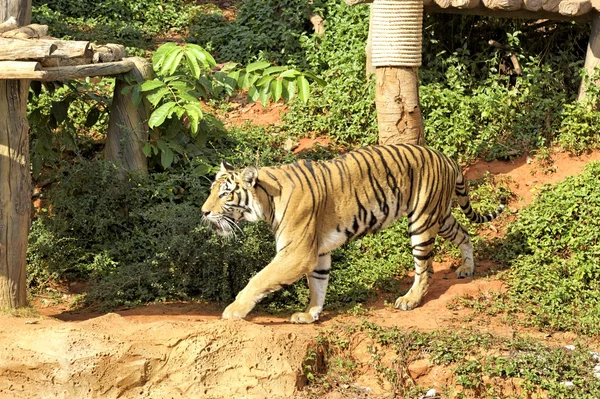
(185, 350)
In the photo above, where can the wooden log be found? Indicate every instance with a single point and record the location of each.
(522, 13)
(128, 123)
(33, 31)
(69, 53)
(574, 7)
(443, 3)
(16, 49)
(532, 5)
(504, 5)
(15, 178)
(318, 24)
(369, 68)
(108, 53)
(550, 5)
(397, 102)
(19, 66)
(592, 56)
(72, 72)
(463, 4)
(9, 24)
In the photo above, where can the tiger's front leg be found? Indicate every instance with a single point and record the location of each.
(317, 284)
(285, 269)
(422, 249)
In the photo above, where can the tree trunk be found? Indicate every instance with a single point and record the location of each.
(128, 124)
(398, 109)
(592, 57)
(15, 180)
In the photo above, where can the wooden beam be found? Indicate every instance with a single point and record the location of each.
(72, 72)
(461, 4)
(20, 66)
(128, 123)
(9, 24)
(18, 49)
(574, 7)
(503, 5)
(532, 5)
(483, 11)
(15, 177)
(33, 31)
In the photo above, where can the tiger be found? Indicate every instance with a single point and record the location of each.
(315, 207)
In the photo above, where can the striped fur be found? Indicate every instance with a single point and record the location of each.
(315, 207)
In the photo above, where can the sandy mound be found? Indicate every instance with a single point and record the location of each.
(165, 359)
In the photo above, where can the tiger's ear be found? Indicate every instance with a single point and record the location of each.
(226, 167)
(249, 176)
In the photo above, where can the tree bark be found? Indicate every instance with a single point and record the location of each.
(592, 57)
(398, 109)
(128, 124)
(15, 192)
(15, 179)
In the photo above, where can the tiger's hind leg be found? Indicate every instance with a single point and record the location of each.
(451, 230)
(317, 284)
(422, 249)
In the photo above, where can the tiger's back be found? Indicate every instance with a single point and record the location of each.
(314, 207)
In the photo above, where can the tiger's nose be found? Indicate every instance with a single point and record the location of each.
(205, 213)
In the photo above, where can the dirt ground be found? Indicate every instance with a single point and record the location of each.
(184, 350)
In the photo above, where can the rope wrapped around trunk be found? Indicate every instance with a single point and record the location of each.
(397, 30)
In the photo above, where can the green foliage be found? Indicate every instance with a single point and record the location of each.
(482, 364)
(65, 118)
(344, 109)
(184, 76)
(553, 250)
(133, 23)
(262, 29)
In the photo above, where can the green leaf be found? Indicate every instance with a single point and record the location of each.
(161, 53)
(265, 94)
(202, 170)
(209, 58)
(171, 61)
(176, 62)
(158, 96)
(147, 149)
(194, 114)
(92, 117)
(277, 89)
(253, 94)
(152, 84)
(60, 110)
(136, 96)
(275, 69)
(166, 158)
(290, 73)
(159, 115)
(303, 89)
(192, 63)
(255, 66)
(289, 90)
(264, 80)
(230, 66)
(315, 78)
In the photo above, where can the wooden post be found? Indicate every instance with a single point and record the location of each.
(398, 109)
(592, 57)
(15, 179)
(370, 69)
(128, 124)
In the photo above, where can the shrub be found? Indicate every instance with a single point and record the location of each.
(553, 250)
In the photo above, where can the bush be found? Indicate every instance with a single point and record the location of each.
(553, 251)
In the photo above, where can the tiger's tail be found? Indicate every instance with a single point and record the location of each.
(462, 192)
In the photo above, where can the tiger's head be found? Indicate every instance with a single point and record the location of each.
(231, 199)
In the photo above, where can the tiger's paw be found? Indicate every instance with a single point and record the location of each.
(235, 311)
(465, 271)
(304, 318)
(406, 303)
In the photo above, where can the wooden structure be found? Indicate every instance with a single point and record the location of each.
(396, 85)
(27, 53)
